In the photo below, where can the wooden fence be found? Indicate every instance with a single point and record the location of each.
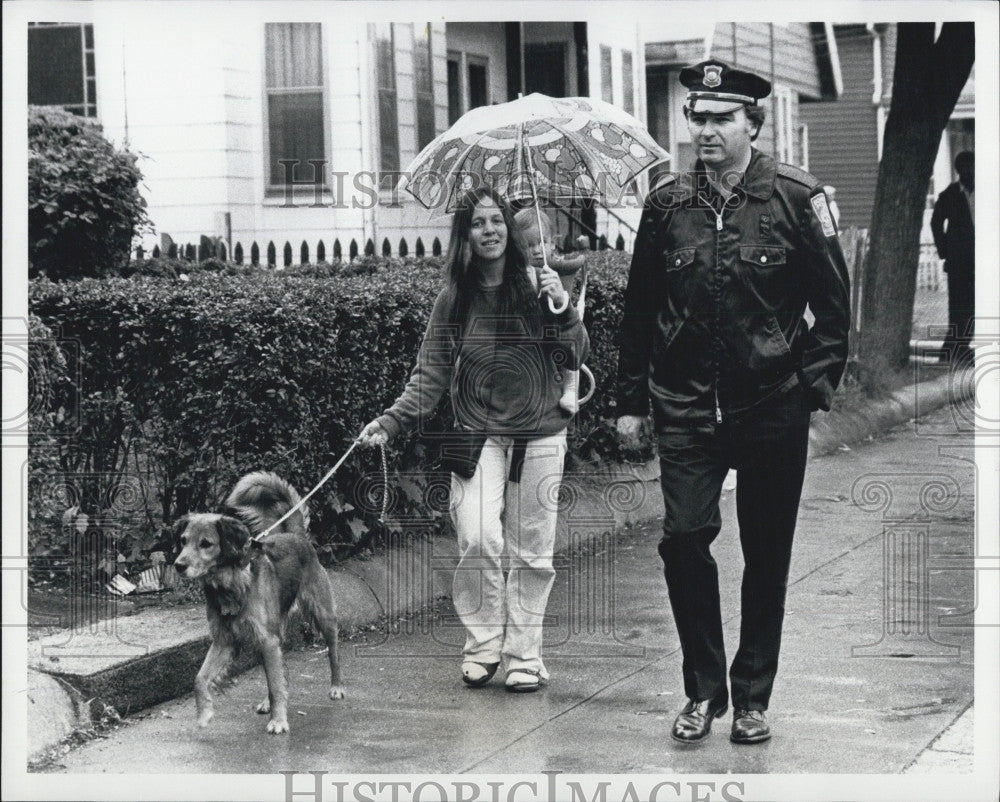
(930, 312)
(210, 247)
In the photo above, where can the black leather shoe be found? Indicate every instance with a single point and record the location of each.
(749, 727)
(694, 722)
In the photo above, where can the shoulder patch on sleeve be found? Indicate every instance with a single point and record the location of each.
(797, 175)
(822, 210)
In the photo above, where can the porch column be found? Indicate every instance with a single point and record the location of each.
(588, 214)
(515, 67)
(582, 67)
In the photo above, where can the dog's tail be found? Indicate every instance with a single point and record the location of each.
(261, 498)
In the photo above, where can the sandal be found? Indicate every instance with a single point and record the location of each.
(523, 680)
(475, 674)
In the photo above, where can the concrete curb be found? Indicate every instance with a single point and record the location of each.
(835, 428)
(131, 663)
(952, 751)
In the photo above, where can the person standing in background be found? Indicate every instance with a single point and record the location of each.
(953, 227)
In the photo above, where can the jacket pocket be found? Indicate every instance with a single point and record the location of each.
(663, 364)
(763, 274)
(678, 260)
(763, 257)
(769, 350)
(678, 279)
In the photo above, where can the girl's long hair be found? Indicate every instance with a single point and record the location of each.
(516, 294)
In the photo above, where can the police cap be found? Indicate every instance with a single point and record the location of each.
(716, 88)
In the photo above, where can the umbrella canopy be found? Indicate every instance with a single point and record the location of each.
(536, 146)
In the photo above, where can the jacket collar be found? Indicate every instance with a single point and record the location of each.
(758, 180)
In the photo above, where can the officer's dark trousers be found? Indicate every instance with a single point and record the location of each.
(768, 450)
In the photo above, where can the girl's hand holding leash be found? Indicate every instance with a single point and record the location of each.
(373, 435)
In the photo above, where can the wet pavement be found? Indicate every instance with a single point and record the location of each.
(877, 660)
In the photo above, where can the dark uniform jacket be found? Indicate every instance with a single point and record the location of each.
(956, 242)
(713, 322)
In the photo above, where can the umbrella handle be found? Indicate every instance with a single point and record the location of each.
(562, 306)
(593, 386)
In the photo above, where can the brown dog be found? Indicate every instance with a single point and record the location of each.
(250, 586)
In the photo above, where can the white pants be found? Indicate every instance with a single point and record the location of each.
(504, 619)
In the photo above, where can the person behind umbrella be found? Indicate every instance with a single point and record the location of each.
(533, 241)
(714, 334)
(494, 343)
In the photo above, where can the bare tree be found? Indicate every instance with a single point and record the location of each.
(927, 80)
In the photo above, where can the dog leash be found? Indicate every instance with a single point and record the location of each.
(325, 479)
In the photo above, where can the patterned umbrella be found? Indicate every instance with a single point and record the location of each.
(536, 147)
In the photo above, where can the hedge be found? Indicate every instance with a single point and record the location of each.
(188, 382)
(84, 204)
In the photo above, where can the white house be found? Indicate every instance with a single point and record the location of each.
(222, 105)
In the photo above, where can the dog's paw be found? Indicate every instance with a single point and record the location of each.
(336, 692)
(264, 707)
(276, 727)
(204, 717)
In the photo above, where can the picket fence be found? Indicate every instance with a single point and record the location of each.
(212, 247)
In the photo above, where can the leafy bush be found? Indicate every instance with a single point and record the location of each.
(158, 267)
(197, 382)
(50, 397)
(84, 204)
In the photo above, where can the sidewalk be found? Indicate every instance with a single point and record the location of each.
(951, 752)
(153, 656)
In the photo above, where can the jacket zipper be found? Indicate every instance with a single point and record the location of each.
(715, 344)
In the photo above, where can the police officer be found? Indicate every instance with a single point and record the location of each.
(725, 261)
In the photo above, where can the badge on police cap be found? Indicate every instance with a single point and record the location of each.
(713, 75)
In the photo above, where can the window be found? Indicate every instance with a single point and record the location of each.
(294, 89)
(468, 83)
(607, 93)
(423, 77)
(548, 68)
(628, 87)
(454, 90)
(478, 95)
(784, 146)
(61, 67)
(385, 85)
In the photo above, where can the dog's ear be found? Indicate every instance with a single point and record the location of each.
(233, 536)
(178, 529)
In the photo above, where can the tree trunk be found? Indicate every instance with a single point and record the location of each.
(927, 80)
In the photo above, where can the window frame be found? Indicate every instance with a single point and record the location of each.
(628, 83)
(464, 60)
(608, 86)
(428, 94)
(784, 146)
(300, 187)
(476, 60)
(379, 128)
(89, 107)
